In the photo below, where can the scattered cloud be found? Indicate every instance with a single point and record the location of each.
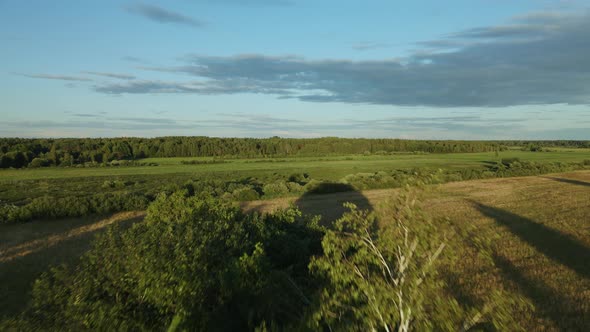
(246, 124)
(133, 59)
(367, 46)
(540, 58)
(86, 115)
(533, 60)
(56, 77)
(162, 15)
(253, 3)
(136, 124)
(199, 87)
(111, 75)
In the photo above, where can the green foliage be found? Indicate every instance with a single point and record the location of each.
(380, 273)
(318, 187)
(248, 188)
(194, 264)
(203, 162)
(509, 161)
(245, 194)
(363, 181)
(113, 184)
(300, 178)
(39, 162)
(278, 188)
(47, 207)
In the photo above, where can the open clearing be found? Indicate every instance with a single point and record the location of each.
(536, 231)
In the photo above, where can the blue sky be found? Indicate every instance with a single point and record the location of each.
(473, 69)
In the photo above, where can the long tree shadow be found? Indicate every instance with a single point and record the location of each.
(557, 246)
(566, 314)
(327, 200)
(570, 181)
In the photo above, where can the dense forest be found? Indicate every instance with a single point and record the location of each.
(19, 152)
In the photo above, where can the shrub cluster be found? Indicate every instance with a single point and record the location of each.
(203, 162)
(377, 180)
(506, 168)
(50, 207)
(253, 189)
(194, 264)
(115, 163)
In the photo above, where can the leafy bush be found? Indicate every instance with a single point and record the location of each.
(300, 178)
(47, 207)
(379, 276)
(295, 187)
(194, 264)
(281, 188)
(276, 188)
(362, 181)
(509, 161)
(39, 162)
(113, 184)
(203, 162)
(379, 271)
(245, 194)
(317, 187)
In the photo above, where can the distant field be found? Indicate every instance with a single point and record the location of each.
(330, 168)
(18, 185)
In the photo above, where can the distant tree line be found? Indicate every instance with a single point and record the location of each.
(530, 145)
(20, 152)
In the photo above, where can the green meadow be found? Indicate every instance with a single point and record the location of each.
(326, 167)
(17, 185)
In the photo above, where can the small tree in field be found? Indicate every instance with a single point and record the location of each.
(379, 277)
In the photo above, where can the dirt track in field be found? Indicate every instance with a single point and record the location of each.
(29, 247)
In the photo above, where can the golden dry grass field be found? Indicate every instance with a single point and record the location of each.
(527, 236)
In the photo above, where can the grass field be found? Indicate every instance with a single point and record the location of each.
(20, 184)
(535, 231)
(330, 168)
(528, 236)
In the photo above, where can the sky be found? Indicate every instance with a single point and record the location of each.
(470, 69)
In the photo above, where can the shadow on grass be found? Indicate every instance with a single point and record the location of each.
(559, 247)
(566, 314)
(570, 181)
(327, 199)
(18, 275)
